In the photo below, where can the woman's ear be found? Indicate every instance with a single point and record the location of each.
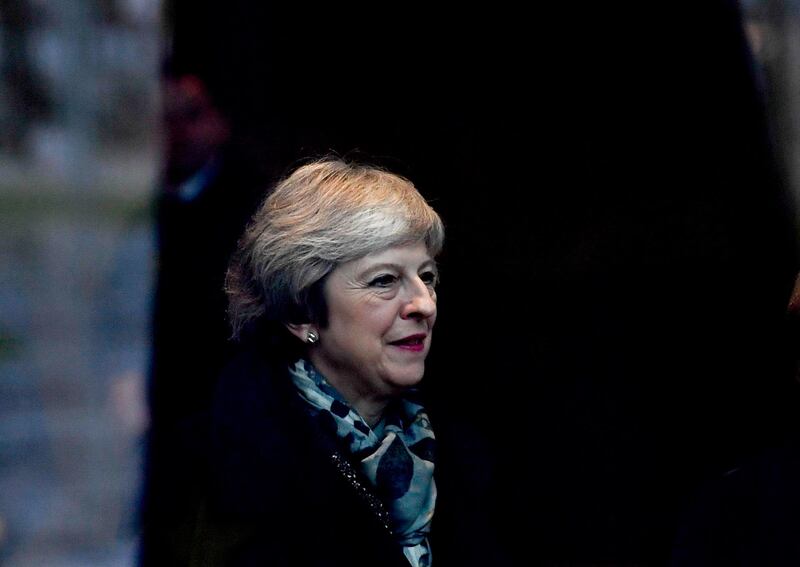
(301, 330)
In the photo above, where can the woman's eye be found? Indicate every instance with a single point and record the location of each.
(384, 280)
(429, 278)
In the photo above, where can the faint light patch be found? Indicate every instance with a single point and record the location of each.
(127, 402)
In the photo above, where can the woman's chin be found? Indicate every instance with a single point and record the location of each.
(404, 378)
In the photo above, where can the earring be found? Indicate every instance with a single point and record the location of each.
(312, 337)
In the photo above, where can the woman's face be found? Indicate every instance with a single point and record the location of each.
(381, 311)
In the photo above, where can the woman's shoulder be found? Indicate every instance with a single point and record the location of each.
(253, 382)
(254, 438)
(273, 478)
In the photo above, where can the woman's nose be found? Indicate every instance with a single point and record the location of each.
(421, 303)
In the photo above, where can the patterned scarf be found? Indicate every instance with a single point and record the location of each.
(396, 456)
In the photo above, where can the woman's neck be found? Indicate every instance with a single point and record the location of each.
(368, 405)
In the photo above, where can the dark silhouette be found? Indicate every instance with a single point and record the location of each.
(207, 195)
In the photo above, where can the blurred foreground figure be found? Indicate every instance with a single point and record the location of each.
(199, 216)
(202, 206)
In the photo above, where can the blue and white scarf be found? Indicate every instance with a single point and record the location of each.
(396, 456)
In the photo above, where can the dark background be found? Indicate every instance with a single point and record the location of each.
(621, 243)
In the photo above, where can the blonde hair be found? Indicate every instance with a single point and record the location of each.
(325, 213)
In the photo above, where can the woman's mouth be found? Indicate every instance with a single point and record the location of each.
(414, 343)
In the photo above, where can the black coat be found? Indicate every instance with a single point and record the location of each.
(265, 488)
(275, 496)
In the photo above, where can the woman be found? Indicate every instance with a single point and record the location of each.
(321, 453)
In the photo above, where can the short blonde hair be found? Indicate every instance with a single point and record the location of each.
(325, 213)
